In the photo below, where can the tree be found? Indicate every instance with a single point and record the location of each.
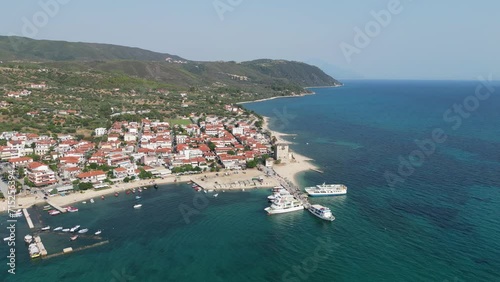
(231, 152)
(126, 179)
(211, 146)
(252, 163)
(145, 174)
(20, 172)
(53, 191)
(29, 183)
(85, 186)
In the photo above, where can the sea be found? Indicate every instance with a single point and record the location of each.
(421, 160)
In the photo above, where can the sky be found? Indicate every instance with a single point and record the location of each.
(375, 39)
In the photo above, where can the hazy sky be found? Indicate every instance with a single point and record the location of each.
(424, 39)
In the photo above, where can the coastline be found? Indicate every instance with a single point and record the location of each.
(291, 96)
(291, 170)
(208, 181)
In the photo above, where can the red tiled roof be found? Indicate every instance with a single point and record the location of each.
(91, 174)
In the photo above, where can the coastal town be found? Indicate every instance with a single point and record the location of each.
(129, 154)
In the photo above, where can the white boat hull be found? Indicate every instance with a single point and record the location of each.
(269, 210)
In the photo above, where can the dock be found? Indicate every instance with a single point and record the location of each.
(28, 219)
(41, 247)
(71, 250)
(294, 190)
(62, 210)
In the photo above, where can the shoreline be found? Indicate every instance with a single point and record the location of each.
(301, 163)
(290, 96)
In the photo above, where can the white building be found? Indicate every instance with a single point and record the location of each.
(100, 131)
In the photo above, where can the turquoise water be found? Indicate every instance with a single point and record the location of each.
(440, 224)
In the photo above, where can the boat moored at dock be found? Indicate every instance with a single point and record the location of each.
(85, 230)
(284, 204)
(326, 190)
(34, 251)
(322, 212)
(46, 228)
(28, 239)
(54, 212)
(58, 228)
(74, 228)
(71, 209)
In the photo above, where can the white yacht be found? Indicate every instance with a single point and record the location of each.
(326, 190)
(322, 212)
(284, 204)
(83, 231)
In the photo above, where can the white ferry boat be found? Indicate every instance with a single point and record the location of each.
(284, 205)
(326, 190)
(322, 212)
(34, 251)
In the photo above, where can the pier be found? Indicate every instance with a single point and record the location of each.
(62, 210)
(294, 190)
(71, 250)
(28, 219)
(41, 247)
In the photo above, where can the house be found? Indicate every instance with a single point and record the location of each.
(120, 172)
(70, 172)
(20, 162)
(96, 176)
(40, 174)
(100, 131)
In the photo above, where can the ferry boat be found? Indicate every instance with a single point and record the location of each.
(284, 205)
(98, 232)
(45, 228)
(58, 228)
(74, 228)
(322, 212)
(83, 231)
(34, 251)
(71, 209)
(326, 190)
(54, 212)
(28, 239)
(137, 206)
(73, 238)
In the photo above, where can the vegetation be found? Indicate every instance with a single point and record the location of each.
(85, 186)
(92, 85)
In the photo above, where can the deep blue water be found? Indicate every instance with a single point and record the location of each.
(441, 223)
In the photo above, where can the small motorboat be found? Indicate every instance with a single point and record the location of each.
(28, 239)
(54, 212)
(128, 192)
(6, 239)
(145, 188)
(73, 238)
(47, 207)
(91, 201)
(155, 186)
(98, 232)
(116, 194)
(85, 230)
(84, 202)
(102, 197)
(45, 228)
(138, 206)
(137, 197)
(74, 228)
(71, 209)
(65, 230)
(215, 195)
(58, 228)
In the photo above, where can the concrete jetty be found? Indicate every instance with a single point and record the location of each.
(41, 247)
(28, 219)
(71, 250)
(63, 210)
